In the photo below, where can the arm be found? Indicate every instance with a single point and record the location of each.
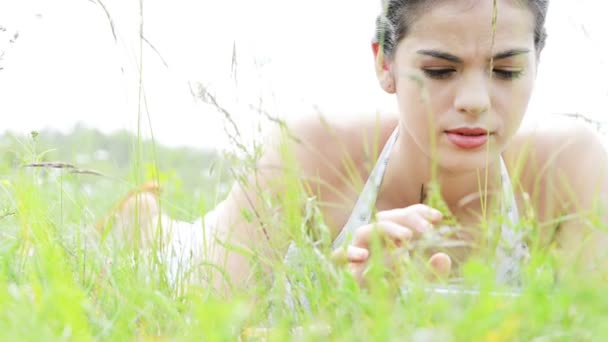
(246, 236)
(320, 159)
(252, 224)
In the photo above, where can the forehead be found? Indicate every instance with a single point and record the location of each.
(468, 25)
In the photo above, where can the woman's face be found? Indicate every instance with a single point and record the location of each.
(475, 81)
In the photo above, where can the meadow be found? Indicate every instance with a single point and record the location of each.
(60, 282)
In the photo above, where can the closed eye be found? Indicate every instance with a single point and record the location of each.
(500, 73)
(439, 74)
(507, 74)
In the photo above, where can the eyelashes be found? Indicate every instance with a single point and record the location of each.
(442, 74)
(508, 74)
(439, 74)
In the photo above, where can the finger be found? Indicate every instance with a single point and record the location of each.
(356, 254)
(358, 271)
(418, 217)
(429, 213)
(433, 215)
(440, 265)
(387, 230)
(349, 254)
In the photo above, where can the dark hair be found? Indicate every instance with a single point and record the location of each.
(398, 15)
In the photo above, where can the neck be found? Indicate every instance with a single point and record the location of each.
(409, 170)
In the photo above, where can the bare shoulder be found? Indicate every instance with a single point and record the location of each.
(326, 146)
(556, 142)
(557, 157)
(324, 152)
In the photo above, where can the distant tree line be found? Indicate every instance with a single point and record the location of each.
(188, 174)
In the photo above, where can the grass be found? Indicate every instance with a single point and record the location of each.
(58, 282)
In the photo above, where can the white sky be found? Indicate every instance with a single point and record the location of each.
(65, 67)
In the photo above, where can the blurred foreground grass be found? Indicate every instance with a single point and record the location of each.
(56, 283)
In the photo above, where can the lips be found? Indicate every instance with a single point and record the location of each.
(468, 138)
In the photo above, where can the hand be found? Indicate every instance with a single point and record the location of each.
(396, 228)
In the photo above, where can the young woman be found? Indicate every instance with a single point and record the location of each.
(462, 73)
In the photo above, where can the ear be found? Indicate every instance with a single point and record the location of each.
(383, 70)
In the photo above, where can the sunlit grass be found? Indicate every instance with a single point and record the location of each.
(58, 281)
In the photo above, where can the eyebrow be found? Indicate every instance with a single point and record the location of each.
(456, 59)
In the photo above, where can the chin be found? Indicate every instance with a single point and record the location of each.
(465, 161)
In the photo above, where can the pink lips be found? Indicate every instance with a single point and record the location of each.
(468, 138)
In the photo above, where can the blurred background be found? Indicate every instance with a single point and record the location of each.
(77, 62)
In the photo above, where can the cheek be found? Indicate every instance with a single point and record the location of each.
(414, 108)
(414, 95)
(513, 102)
(420, 112)
(415, 122)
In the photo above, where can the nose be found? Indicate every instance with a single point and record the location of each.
(473, 95)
